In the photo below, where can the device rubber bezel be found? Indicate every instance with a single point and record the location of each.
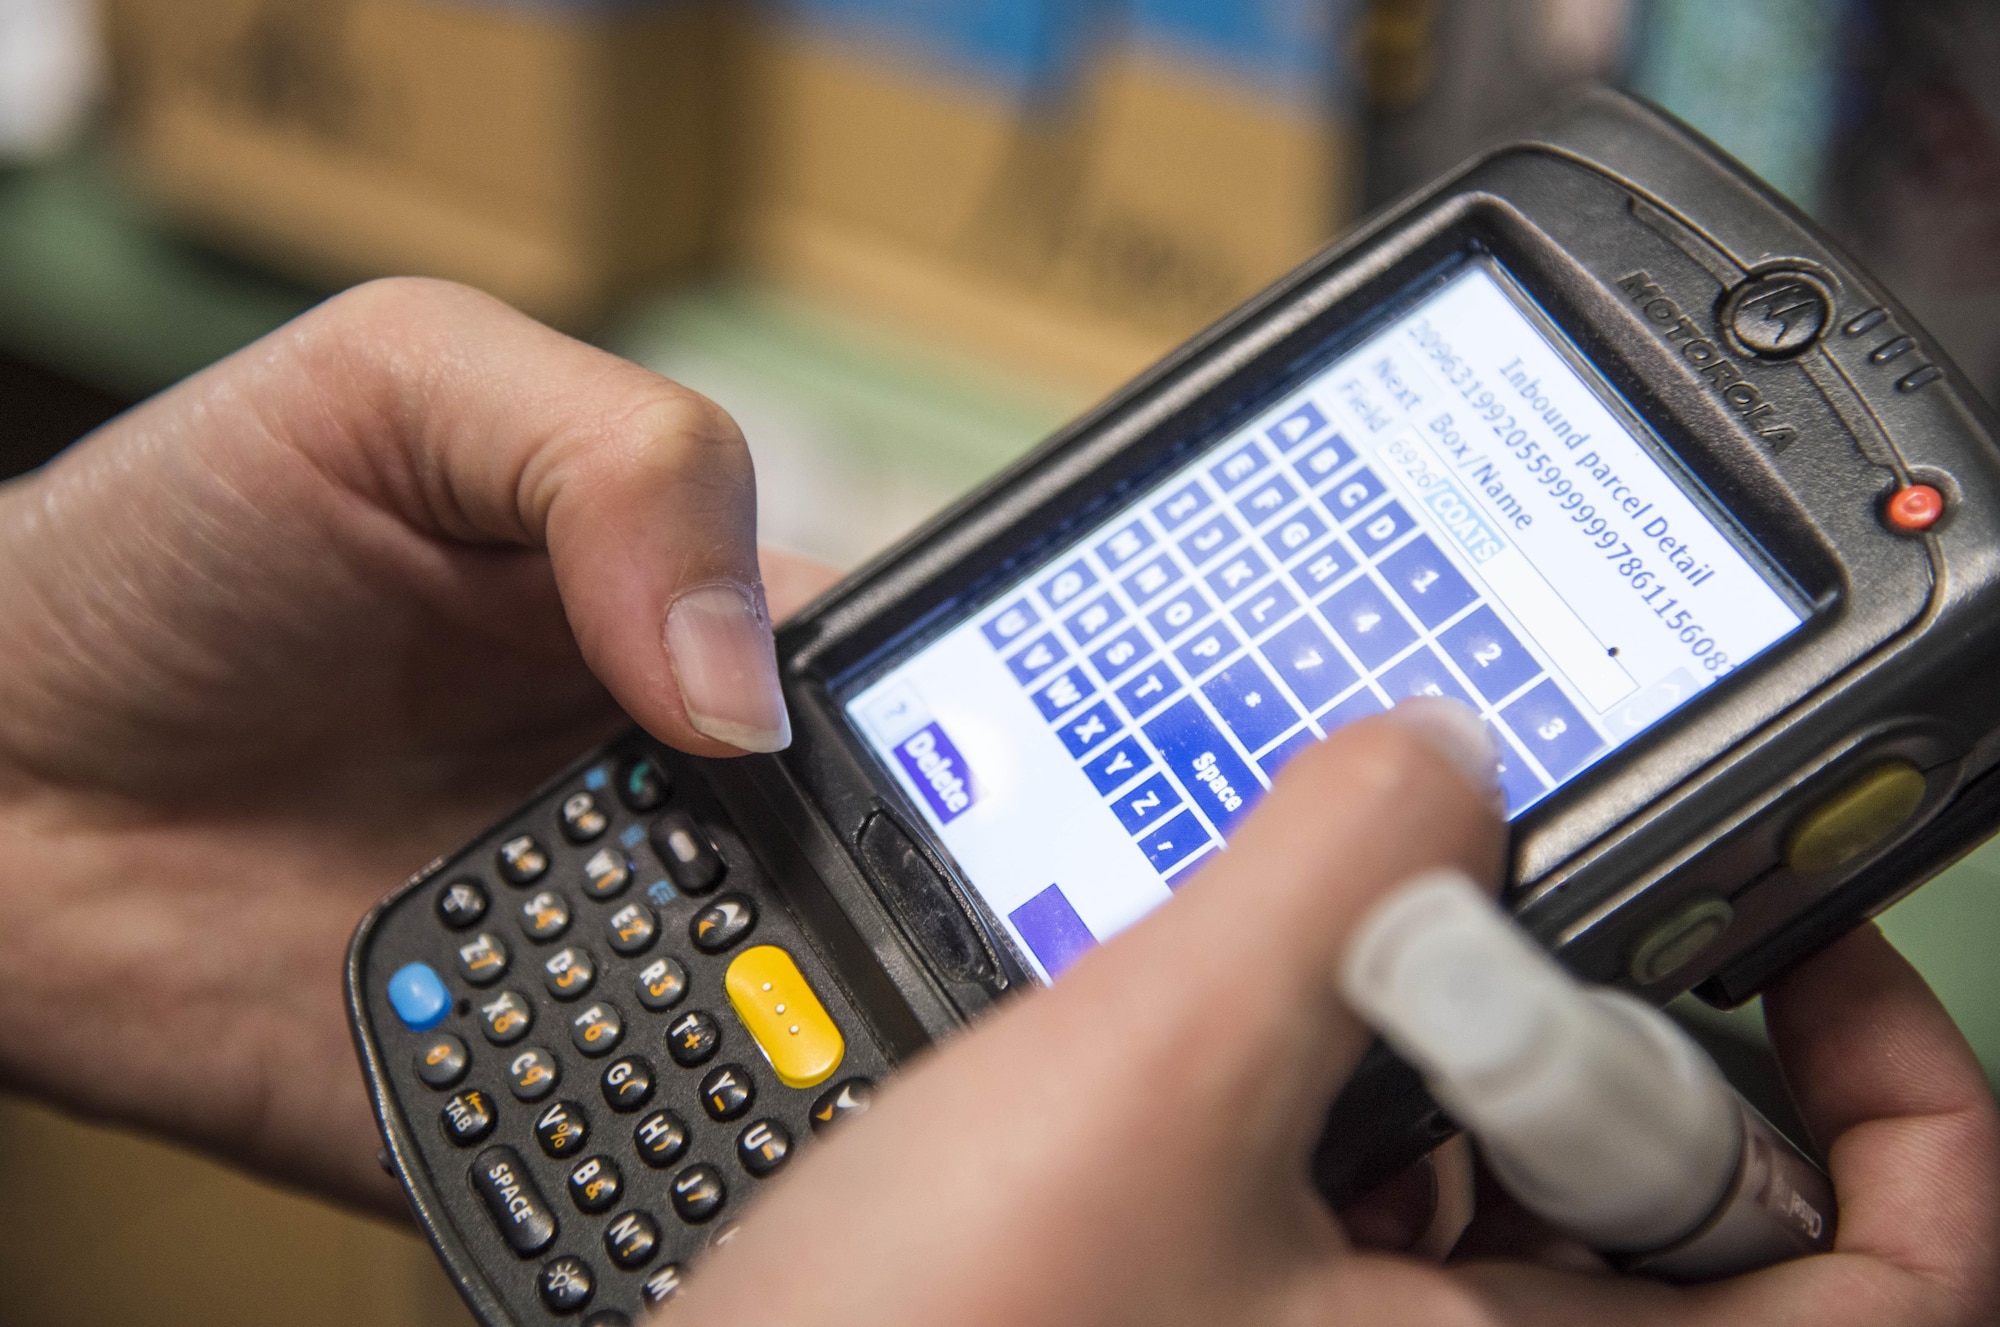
(1810, 509)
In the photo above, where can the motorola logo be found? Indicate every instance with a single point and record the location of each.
(1779, 315)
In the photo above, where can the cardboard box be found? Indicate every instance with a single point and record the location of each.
(551, 152)
(1223, 149)
(1069, 187)
(895, 147)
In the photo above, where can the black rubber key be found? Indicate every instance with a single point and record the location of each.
(517, 1207)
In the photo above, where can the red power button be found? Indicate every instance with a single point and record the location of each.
(1915, 508)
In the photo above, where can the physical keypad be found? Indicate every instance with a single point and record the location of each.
(569, 973)
(776, 1003)
(722, 923)
(727, 1091)
(698, 1192)
(562, 1130)
(763, 1146)
(632, 1239)
(419, 996)
(631, 929)
(606, 874)
(482, 960)
(693, 1037)
(628, 1083)
(517, 1207)
(461, 904)
(662, 1285)
(594, 1184)
(596, 1030)
(468, 1117)
(661, 1139)
(602, 904)
(566, 1284)
(442, 1061)
(545, 916)
(582, 819)
(662, 983)
(642, 785)
(849, 1097)
(533, 1074)
(691, 860)
(506, 1018)
(522, 860)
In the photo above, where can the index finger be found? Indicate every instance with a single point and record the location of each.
(1889, 1086)
(1894, 1094)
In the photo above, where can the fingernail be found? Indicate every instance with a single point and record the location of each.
(719, 640)
(1454, 730)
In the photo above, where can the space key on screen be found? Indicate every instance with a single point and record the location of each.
(1205, 763)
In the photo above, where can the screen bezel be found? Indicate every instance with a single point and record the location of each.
(1503, 207)
(846, 690)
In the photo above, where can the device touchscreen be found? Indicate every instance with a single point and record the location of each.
(1456, 506)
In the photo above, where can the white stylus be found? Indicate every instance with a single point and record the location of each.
(1593, 1109)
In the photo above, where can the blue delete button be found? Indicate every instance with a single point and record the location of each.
(418, 995)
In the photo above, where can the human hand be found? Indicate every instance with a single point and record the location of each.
(1898, 1103)
(277, 636)
(1130, 1145)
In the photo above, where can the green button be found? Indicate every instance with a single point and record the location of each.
(1859, 818)
(1671, 944)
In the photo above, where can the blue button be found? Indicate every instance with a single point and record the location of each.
(1168, 845)
(1206, 765)
(1250, 703)
(1428, 582)
(1113, 659)
(1068, 583)
(1263, 504)
(1209, 538)
(1422, 674)
(1372, 628)
(1086, 730)
(1296, 428)
(1127, 544)
(1093, 621)
(418, 996)
(1239, 467)
(1182, 507)
(1552, 731)
(1489, 655)
(1068, 691)
(1115, 767)
(1300, 528)
(1385, 527)
(1323, 460)
(1151, 801)
(1352, 494)
(1147, 688)
(1309, 663)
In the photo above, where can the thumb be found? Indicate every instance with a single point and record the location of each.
(500, 430)
(1167, 1087)
(1348, 822)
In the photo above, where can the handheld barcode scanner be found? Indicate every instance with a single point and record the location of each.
(1597, 435)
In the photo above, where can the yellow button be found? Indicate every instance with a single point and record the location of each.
(1860, 817)
(791, 1026)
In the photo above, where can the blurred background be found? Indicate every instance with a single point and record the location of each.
(900, 240)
